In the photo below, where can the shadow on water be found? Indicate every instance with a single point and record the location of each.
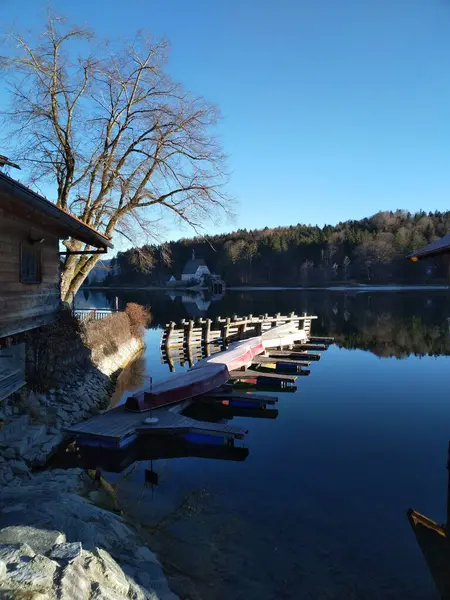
(316, 508)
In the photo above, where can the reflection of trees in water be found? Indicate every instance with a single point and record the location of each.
(386, 323)
(391, 324)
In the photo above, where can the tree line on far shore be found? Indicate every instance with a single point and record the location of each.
(372, 250)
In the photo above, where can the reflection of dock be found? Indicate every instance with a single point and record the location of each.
(117, 460)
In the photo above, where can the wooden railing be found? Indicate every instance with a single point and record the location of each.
(223, 330)
(92, 314)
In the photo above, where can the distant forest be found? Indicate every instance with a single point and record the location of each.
(371, 250)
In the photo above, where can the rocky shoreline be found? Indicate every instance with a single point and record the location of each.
(33, 423)
(55, 541)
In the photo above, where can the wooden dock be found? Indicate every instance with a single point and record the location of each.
(119, 428)
(252, 373)
(259, 361)
(221, 331)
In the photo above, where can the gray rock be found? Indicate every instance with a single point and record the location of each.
(7, 476)
(2, 460)
(136, 592)
(40, 540)
(100, 592)
(67, 552)
(74, 583)
(20, 446)
(113, 575)
(52, 443)
(9, 453)
(15, 428)
(62, 414)
(2, 570)
(13, 553)
(72, 407)
(37, 434)
(146, 555)
(36, 574)
(18, 467)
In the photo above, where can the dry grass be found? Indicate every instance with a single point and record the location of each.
(106, 336)
(139, 318)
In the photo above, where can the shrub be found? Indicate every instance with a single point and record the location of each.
(139, 318)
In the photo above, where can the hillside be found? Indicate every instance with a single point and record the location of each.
(371, 250)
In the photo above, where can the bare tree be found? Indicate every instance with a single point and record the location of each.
(124, 143)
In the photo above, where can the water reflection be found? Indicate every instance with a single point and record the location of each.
(385, 323)
(118, 460)
(317, 509)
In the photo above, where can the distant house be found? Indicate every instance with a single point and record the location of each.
(30, 230)
(195, 270)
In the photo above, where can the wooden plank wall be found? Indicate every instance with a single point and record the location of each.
(26, 305)
(12, 369)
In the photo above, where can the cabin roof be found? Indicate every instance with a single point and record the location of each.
(19, 199)
(441, 246)
(192, 266)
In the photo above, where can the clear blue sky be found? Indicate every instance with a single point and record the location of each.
(333, 109)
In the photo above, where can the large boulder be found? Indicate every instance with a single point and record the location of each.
(40, 540)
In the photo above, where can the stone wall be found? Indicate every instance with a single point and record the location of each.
(31, 421)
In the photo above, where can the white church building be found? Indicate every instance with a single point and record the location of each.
(195, 269)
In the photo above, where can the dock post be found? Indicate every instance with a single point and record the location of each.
(258, 327)
(190, 327)
(225, 330)
(208, 331)
(243, 328)
(170, 329)
(189, 356)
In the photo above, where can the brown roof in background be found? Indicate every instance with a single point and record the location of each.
(441, 246)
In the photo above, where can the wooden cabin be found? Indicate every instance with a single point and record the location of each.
(31, 228)
(436, 248)
(440, 246)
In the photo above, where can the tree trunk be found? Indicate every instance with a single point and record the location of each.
(74, 272)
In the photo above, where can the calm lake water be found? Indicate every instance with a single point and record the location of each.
(318, 508)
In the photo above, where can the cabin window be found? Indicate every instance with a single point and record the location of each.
(30, 264)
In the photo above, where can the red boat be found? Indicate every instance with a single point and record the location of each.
(179, 387)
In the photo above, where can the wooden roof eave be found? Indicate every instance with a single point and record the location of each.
(19, 199)
(441, 246)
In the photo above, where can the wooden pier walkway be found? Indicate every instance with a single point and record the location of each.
(224, 330)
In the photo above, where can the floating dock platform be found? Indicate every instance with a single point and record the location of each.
(119, 428)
